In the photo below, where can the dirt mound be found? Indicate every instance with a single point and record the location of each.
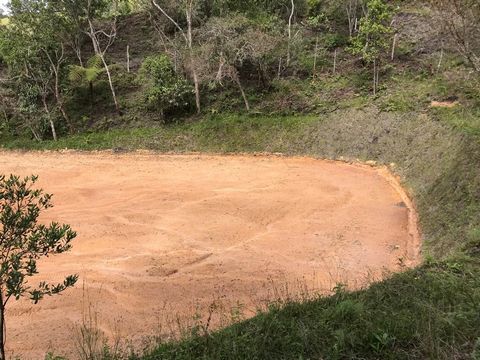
(165, 235)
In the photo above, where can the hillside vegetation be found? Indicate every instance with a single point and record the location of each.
(392, 82)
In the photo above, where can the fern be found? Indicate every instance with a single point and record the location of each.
(88, 74)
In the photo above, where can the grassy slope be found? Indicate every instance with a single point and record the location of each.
(432, 312)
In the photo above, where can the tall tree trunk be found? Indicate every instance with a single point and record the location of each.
(440, 60)
(52, 126)
(196, 82)
(55, 66)
(59, 99)
(394, 46)
(240, 87)
(335, 62)
(279, 72)
(290, 32)
(77, 48)
(374, 77)
(98, 51)
(49, 116)
(315, 55)
(128, 58)
(110, 82)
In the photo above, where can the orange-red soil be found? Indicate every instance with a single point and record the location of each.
(160, 235)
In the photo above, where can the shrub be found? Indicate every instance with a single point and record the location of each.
(165, 90)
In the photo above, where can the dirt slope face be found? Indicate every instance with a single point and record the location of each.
(165, 235)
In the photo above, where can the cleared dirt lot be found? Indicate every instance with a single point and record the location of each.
(165, 235)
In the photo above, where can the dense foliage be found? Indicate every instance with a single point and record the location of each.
(165, 91)
(51, 50)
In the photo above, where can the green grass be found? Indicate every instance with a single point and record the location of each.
(432, 312)
(221, 133)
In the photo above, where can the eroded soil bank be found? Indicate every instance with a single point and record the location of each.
(161, 236)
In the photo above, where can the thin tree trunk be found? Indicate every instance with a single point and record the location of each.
(196, 82)
(35, 135)
(3, 328)
(77, 49)
(52, 126)
(98, 51)
(240, 87)
(351, 8)
(188, 42)
(50, 120)
(374, 77)
(55, 66)
(279, 72)
(128, 58)
(394, 46)
(335, 62)
(59, 99)
(315, 58)
(110, 82)
(290, 32)
(440, 60)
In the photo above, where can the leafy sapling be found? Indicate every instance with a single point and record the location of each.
(373, 35)
(23, 241)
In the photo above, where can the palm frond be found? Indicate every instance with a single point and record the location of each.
(76, 74)
(95, 62)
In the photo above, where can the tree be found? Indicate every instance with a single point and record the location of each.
(33, 48)
(373, 35)
(228, 43)
(460, 19)
(189, 7)
(74, 21)
(352, 10)
(23, 241)
(101, 41)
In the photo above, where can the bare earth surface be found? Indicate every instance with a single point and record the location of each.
(163, 235)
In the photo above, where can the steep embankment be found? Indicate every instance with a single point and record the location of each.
(430, 312)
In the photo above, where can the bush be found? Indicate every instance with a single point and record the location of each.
(165, 90)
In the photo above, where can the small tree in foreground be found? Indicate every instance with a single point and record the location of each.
(23, 241)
